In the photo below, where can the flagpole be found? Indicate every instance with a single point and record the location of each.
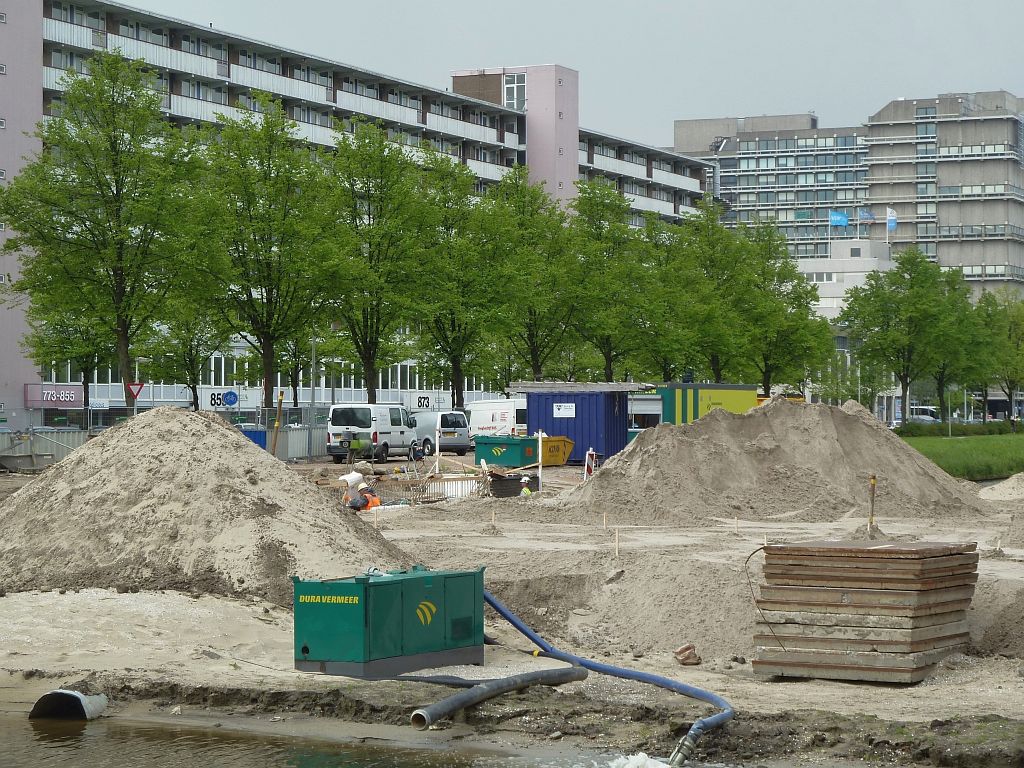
(886, 223)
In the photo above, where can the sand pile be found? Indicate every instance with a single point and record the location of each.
(1010, 489)
(784, 461)
(178, 500)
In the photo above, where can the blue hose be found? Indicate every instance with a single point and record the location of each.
(688, 743)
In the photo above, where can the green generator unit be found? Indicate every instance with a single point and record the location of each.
(380, 625)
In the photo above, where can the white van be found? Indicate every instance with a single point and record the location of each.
(497, 417)
(376, 431)
(451, 425)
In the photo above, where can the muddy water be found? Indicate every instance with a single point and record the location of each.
(106, 743)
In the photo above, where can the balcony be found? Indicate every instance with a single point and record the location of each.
(511, 140)
(460, 128)
(676, 180)
(65, 33)
(487, 170)
(620, 167)
(278, 85)
(640, 203)
(51, 78)
(315, 134)
(165, 58)
(196, 109)
(384, 110)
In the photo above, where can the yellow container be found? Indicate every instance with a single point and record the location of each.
(557, 450)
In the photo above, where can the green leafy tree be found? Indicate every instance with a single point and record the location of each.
(953, 336)
(718, 253)
(267, 228)
(97, 212)
(179, 349)
(524, 230)
(893, 315)
(611, 272)
(462, 293)
(1009, 340)
(988, 347)
(670, 307)
(56, 335)
(786, 338)
(379, 213)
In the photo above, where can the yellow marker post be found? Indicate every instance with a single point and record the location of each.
(871, 514)
(277, 422)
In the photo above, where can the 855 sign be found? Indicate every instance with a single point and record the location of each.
(227, 399)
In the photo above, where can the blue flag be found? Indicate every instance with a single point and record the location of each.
(865, 215)
(890, 219)
(838, 219)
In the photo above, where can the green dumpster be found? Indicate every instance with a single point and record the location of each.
(383, 624)
(506, 450)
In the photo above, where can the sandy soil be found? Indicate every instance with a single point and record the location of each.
(658, 577)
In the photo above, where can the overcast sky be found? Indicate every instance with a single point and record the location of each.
(645, 63)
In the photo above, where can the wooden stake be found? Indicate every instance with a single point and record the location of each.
(616, 542)
(736, 523)
(605, 523)
(492, 517)
(766, 539)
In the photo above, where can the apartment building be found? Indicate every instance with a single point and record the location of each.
(950, 167)
(560, 152)
(531, 116)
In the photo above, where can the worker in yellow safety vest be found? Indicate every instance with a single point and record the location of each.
(525, 485)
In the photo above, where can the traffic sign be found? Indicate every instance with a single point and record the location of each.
(230, 398)
(135, 387)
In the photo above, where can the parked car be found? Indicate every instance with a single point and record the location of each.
(453, 427)
(369, 430)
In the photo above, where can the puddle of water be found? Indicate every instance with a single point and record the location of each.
(109, 743)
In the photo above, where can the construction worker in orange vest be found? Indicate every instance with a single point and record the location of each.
(364, 498)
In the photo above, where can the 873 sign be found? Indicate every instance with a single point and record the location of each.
(422, 402)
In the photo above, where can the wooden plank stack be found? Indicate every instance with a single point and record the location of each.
(863, 610)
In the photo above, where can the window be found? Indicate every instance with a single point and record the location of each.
(926, 209)
(396, 416)
(765, 145)
(923, 150)
(926, 169)
(3, 123)
(926, 129)
(3, 18)
(855, 253)
(3, 69)
(787, 143)
(3, 173)
(925, 188)
(748, 146)
(515, 90)
(924, 112)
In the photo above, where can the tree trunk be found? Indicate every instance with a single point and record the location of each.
(267, 356)
(86, 376)
(458, 384)
(905, 401)
(124, 361)
(766, 381)
(606, 353)
(293, 379)
(194, 389)
(984, 405)
(370, 379)
(716, 368)
(940, 383)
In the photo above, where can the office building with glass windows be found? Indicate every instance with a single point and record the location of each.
(489, 120)
(947, 170)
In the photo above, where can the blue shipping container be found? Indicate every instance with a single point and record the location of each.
(598, 420)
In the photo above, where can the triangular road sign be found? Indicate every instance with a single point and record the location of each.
(135, 388)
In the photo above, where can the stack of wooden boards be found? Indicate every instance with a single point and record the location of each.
(863, 610)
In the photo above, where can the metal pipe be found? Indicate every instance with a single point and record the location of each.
(423, 717)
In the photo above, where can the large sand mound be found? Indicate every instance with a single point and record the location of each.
(179, 500)
(784, 460)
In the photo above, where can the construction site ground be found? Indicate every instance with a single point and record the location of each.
(593, 585)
